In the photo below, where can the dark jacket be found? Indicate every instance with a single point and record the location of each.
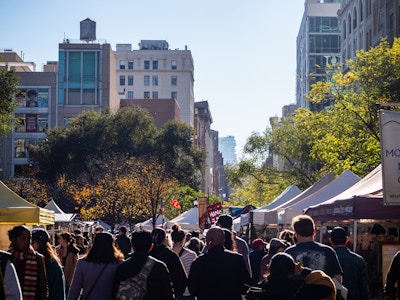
(218, 274)
(393, 276)
(294, 288)
(159, 285)
(124, 244)
(175, 267)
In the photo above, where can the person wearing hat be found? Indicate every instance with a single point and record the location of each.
(275, 246)
(226, 221)
(255, 256)
(288, 280)
(355, 277)
(54, 271)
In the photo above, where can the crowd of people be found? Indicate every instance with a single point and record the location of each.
(181, 265)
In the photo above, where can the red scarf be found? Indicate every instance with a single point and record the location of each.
(30, 275)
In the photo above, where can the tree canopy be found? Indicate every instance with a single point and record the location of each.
(8, 88)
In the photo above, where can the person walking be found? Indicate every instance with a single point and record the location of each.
(162, 252)
(219, 273)
(68, 254)
(54, 272)
(29, 264)
(9, 284)
(259, 247)
(275, 246)
(392, 278)
(123, 242)
(311, 254)
(186, 255)
(94, 274)
(226, 221)
(159, 284)
(355, 276)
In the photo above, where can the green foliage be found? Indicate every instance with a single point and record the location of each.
(8, 88)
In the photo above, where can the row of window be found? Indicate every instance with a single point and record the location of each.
(146, 95)
(146, 80)
(148, 65)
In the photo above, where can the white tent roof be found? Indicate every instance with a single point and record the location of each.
(59, 215)
(335, 187)
(189, 220)
(290, 192)
(148, 225)
(271, 216)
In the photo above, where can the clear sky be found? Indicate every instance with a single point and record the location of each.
(244, 51)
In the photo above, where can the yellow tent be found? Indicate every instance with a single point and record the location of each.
(16, 210)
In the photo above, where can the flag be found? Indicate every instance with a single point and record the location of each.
(175, 203)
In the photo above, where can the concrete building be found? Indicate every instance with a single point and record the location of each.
(156, 72)
(227, 146)
(318, 48)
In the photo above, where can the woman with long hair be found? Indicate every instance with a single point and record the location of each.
(54, 272)
(186, 255)
(28, 263)
(94, 274)
(68, 254)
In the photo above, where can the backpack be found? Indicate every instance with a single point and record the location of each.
(135, 288)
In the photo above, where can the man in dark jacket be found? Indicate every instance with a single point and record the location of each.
(393, 277)
(123, 242)
(218, 273)
(159, 285)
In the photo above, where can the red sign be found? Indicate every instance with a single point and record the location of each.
(214, 211)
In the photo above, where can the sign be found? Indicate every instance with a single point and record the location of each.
(214, 211)
(390, 154)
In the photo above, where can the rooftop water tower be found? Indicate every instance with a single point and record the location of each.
(88, 30)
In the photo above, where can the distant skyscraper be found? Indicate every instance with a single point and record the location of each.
(227, 146)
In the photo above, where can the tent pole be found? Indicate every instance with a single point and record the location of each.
(354, 235)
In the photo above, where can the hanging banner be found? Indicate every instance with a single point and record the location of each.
(390, 155)
(214, 211)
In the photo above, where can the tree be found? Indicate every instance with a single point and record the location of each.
(8, 88)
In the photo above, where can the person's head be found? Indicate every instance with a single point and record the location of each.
(229, 243)
(77, 232)
(20, 238)
(159, 237)
(122, 230)
(258, 245)
(215, 237)
(142, 241)
(41, 244)
(276, 245)
(195, 245)
(282, 266)
(65, 239)
(80, 240)
(98, 229)
(104, 249)
(304, 226)
(288, 236)
(225, 221)
(31, 94)
(338, 236)
(177, 234)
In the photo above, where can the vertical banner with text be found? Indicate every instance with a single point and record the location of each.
(390, 154)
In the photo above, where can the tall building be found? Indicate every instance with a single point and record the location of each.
(227, 146)
(318, 48)
(156, 72)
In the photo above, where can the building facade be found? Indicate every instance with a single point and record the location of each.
(156, 72)
(318, 48)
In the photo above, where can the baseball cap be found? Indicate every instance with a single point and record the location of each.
(338, 235)
(257, 243)
(40, 235)
(277, 243)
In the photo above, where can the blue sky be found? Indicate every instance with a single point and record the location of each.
(244, 51)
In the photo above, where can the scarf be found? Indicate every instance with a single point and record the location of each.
(30, 275)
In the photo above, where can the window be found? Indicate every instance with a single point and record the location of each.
(146, 95)
(130, 79)
(122, 65)
(174, 80)
(174, 95)
(147, 65)
(155, 64)
(154, 95)
(130, 95)
(130, 65)
(146, 80)
(154, 80)
(173, 65)
(121, 80)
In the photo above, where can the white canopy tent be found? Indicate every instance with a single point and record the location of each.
(333, 188)
(59, 215)
(148, 225)
(189, 220)
(290, 192)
